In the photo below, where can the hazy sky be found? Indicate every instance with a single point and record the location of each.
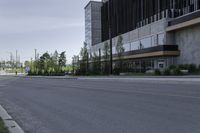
(46, 25)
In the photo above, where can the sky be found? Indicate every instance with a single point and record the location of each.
(45, 25)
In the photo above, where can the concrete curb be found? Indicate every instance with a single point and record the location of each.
(196, 80)
(9, 122)
(49, 77)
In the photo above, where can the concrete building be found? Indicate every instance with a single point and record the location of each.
(156, 33)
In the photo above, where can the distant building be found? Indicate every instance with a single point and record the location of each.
(156, 33)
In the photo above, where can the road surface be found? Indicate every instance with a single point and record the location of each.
(101, 106)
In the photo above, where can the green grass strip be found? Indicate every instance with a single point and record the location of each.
(3, 129)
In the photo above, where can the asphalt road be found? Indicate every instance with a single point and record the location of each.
(102, 106)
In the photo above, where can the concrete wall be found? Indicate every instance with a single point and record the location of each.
(88, 25)
(96, 22)
(93, 23)
(188, 40)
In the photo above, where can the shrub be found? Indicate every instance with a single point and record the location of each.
(116, 71)
(166, 72)
(177, 71)
(172, 67)
(157, 72)
(184, 67)
(199, 68)
(192, 68)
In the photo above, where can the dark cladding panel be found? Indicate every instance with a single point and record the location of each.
(198, 1)
(104, 21)
(127, 15)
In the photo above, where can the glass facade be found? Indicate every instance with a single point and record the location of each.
(135, 45)
(146, 42)
(127, 47)
(144, 65)
(161, 39)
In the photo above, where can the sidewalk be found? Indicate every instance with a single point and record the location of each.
(125, 77)
(49, 77)
(186, 78)
(12, 126)
(3, 73)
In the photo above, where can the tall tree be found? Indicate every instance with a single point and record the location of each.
(44, 61)
(120, 50)
(62, 60)
(106, 54)
(55, 57)
(84, 52)
(84, 59)
(119, 47)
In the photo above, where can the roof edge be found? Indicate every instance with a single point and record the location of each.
(91, 1)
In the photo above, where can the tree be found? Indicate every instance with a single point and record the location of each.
(96, 68)
(55, 57)
(120, 50)
(84, 51)
(48, 64)
(84, 60)
(62, 60)
(44, 62)
(106, 52)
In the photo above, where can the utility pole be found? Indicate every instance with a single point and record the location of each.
(73, 61)
(16, 60)
(87, 68)
(110, 37)
(100, 60)
(35, 54)
(16, 63)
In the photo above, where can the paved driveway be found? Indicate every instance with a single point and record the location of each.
(102, 106)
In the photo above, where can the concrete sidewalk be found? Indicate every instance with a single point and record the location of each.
(113, 77)
(12, 126)
(49, 77)
(186, 78)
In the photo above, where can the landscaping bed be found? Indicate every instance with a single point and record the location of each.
(3, 129)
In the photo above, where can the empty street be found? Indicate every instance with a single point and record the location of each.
(42, 105)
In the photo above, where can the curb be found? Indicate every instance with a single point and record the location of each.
(194, 80)
(46, 77)
(9, 122)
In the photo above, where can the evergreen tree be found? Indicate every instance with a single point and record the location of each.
(62, 60)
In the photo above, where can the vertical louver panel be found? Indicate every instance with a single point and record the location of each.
(127, 15)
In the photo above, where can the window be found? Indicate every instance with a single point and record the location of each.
(161, 64)
(153, 41)
(161, 38)
(126, 47)
(114, 50)
(134, 45)
(146, 42)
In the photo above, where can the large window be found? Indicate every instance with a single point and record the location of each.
(127, 47)
(161, 38)
(153, 41)
(135, 45)
(146, 42)
(114, 50)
